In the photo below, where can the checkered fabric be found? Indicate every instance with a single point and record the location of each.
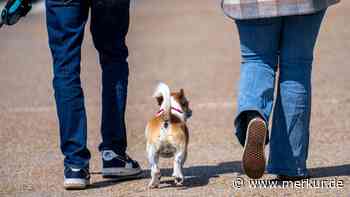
(249, 9)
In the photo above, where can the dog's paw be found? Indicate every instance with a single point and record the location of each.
(179, 180)
(153, 185)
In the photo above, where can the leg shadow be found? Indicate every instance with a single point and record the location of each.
(341, 170)
(195, 176)
(321, 172)
(110, 182)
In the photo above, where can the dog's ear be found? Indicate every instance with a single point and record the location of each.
(182, 93)
(159, 100)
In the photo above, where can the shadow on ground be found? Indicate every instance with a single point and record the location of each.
(342, 170)
(321, 172)
(196, 176)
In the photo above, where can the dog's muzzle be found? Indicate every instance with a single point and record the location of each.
(188, 114)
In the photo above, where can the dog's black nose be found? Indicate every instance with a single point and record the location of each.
(189, 113)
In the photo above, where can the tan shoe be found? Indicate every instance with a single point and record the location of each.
(253, 161)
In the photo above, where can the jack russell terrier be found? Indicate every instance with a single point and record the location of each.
(167, 134)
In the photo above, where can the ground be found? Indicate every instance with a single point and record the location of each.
(188, 44)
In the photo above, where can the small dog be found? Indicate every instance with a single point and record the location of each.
(167, 133)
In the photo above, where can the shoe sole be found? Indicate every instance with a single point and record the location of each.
(253, 155)
(75, 184)
(121, 173)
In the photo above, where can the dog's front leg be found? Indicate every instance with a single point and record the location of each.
(179, 161)
(153, 158)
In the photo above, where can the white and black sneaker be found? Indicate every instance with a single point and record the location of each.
(75, 178)
(119, 166)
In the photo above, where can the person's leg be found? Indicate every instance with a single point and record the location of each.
(109, 26)
(256, 89)
(259, 40)
(65, 25)
(290, 128)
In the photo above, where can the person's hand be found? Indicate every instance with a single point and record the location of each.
(13, 11)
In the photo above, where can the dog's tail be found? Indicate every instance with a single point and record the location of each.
(162, 93)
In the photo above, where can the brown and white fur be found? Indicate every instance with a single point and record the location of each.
(167, 133)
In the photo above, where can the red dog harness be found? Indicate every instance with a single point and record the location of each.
(172, 108)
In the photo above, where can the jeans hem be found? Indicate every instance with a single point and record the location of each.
(117, 150)
(240, 132)
(76, 166)
(288, 172)
(245, 109)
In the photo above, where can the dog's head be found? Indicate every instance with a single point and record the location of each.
(179, 104)
(182, 101)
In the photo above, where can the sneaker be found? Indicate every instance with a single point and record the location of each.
(253, 161)
(75, 178)
(119, 166)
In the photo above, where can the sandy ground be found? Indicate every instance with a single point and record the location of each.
(188, 44)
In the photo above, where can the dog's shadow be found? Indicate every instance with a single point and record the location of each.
(198, 176)
(322, 172)
(195, 176)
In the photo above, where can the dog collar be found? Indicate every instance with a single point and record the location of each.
(172, 108)
(159, 112)
(176, 109)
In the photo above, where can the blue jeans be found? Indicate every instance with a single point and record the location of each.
(286, 43)
(66, 21)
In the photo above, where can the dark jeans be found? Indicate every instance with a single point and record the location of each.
(66, 20)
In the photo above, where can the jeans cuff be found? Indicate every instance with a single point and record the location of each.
(119, 151)
(87, 166)
(288, 172)
(241, 124)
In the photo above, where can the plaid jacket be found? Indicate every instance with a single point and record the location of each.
(249, 9)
